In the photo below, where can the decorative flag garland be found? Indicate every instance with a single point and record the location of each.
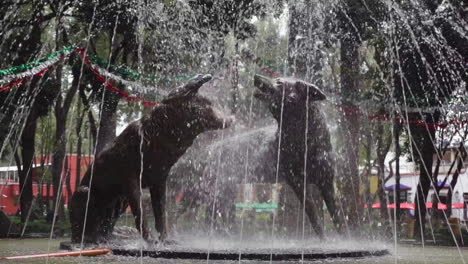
(431, 126)
(101, 71)
(384, 117)
(33, 67)
(272, 73)
(464, 99)
(124, 71)
(12, 84)
(108, 84)
(17, 75)
(41, 66)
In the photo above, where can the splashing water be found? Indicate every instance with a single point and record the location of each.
(385, 62)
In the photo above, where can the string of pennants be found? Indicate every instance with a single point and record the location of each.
(352, 110)
(104, 76)
(18, 75)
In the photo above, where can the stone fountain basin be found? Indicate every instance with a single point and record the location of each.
(262, 255)
(200, 249)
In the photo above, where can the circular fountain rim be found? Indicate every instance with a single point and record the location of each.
(224, 255)
(247, 255)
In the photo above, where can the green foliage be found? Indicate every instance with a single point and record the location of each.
(267, 49)
(227, 16)
(41, 226)
(443, 236)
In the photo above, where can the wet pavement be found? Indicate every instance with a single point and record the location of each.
(404, 255)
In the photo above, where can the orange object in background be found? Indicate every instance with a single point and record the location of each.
(87, 253)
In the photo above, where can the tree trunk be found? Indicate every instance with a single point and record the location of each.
(108, 122)
(396, 134)
(108, 116)
(368, 169)
(57, 166)
(234, 73)
(350, 132)
(68, 178)
(381, 189)
(383, 146)
(27, 50)
(454, 180)
(61, 115)
(28, 139)
(459, 159)
(47, 201)
(40, 180)
(79, 144)
(423, 149)
(87, 111)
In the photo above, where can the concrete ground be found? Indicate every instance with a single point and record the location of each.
(404, 255)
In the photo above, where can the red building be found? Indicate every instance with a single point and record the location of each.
(41, 170)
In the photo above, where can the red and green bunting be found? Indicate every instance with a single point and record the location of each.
(18, 75)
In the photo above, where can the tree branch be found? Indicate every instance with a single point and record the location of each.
(18, 162)
(87, 108)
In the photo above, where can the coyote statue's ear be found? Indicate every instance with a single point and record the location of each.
(315, 93)
(265, 87)
(189, 89)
